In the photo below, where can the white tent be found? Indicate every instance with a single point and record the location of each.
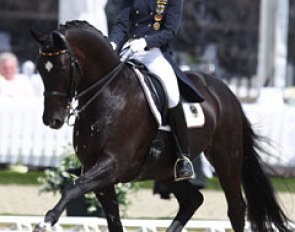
(92, 11)
(273, 45)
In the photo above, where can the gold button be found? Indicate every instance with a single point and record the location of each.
(158, 17)
(157, 26)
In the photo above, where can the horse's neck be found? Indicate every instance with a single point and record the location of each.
(94, 54)
(106, 74)
(116, 93)
(96, 66)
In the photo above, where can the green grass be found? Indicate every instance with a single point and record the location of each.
(31, 178)
(279, 184)
(11, 177)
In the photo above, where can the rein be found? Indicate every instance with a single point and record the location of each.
(105, 81)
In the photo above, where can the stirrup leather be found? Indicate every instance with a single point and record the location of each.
(183, 158)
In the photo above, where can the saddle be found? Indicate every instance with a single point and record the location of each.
(157, 98)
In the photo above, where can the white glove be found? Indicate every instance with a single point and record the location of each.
(138, 45)
(114, 45)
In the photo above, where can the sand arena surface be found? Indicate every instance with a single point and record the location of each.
(26, 200)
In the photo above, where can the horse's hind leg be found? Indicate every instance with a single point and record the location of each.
(228, 169)
(189, 199)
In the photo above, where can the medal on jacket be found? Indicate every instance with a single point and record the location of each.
(161, 6)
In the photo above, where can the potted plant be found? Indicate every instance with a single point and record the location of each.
(57, 178)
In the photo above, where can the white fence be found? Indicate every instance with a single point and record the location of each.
(23, 136)
(83, 224)
(91, 224)
(24, 139)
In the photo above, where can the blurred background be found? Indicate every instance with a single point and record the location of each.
(239, 38)
(249, 44)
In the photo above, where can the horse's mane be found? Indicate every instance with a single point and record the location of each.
(78, 24)
(82, 25)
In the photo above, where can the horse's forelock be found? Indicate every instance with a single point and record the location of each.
(49, 45)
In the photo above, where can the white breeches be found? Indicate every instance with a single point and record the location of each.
(157, 63)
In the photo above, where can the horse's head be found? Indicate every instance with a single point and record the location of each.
(57, 67)
(63, 59)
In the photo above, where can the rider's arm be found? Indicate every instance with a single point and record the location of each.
(120, 28)
(169, 26)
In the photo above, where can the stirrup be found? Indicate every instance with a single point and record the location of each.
(186, 159)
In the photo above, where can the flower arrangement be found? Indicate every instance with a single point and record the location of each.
(57, 178)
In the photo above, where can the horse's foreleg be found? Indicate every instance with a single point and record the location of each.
(109, 202)
(99, 176)
(189, 199)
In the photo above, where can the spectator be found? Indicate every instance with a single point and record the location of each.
(13, 84)
(28, 69)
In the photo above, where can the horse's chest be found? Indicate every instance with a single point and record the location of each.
(87, 141)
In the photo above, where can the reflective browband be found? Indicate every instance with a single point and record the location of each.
(52, 53)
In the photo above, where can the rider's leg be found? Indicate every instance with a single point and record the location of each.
(183, 166)
(156, 63)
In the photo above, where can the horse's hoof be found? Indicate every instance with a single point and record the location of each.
(42, 227)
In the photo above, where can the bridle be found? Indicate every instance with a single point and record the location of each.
(75, 72)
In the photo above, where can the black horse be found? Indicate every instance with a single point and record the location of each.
(115, 128)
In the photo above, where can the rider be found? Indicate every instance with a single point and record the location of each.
(146, 26)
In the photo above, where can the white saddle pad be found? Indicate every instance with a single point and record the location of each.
(194, 115)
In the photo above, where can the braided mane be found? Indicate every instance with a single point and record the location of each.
(82, 25)
(78, 24)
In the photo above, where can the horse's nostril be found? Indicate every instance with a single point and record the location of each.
(56, 124)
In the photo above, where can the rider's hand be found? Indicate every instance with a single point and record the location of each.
(114, 46)
(138, 45)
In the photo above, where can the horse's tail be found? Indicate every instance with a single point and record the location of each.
(262, 205)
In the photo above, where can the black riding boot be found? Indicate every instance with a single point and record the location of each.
(183, 168)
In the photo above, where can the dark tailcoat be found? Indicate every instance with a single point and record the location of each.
(137, 19)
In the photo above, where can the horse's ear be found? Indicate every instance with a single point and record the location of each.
(38, 37)
(59, 40)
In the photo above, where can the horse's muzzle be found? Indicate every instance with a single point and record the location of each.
(56, 121)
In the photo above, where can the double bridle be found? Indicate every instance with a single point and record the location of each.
(75, 72)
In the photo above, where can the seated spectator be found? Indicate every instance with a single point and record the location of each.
(13, 84)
